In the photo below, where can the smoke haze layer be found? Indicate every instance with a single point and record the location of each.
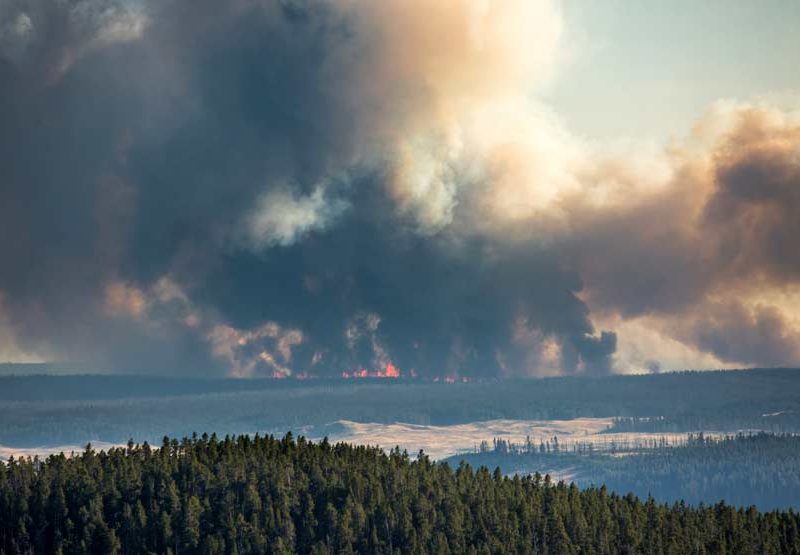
(306, 187)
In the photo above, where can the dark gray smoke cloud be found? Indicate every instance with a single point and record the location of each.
(275, 187)
(193, 187)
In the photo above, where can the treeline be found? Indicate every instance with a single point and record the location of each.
(724, 420)
(551, 445)
(41, 410)
(265, 495)
(760, 469)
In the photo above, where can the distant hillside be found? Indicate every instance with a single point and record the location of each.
(43, 368)
(39, 382)
(760, 469)
(40, 410)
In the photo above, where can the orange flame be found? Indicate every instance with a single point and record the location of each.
(391, 371)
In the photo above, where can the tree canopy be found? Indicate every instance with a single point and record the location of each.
(267, 495)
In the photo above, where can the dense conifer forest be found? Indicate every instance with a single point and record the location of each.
(760, 469)
(264, 495)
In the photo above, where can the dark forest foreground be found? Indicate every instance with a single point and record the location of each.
(264, 495)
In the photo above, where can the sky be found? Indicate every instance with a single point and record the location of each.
(462, 188)
(676, 58)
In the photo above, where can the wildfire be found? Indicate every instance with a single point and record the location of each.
(391, 371)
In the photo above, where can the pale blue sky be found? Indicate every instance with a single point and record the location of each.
(650, 68)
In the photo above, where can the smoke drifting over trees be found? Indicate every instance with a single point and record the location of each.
(286, 187)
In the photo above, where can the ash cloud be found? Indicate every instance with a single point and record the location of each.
(285, 187)
(710, 255)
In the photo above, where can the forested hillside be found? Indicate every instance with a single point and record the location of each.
(264, 495)
(761, 469)
(58, 410)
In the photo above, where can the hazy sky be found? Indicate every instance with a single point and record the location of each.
(449, 187)
(651, 68)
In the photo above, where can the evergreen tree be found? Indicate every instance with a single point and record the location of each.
(279, 496)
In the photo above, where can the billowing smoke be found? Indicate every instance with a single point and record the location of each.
(311, 187)
(707, 254)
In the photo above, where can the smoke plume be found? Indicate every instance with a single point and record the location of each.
(309, 187)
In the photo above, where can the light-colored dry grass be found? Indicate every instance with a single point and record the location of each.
(440, 442)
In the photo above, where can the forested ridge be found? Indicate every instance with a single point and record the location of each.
(757, 469)
(59, 410)
(265, 495)
(763, 469)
